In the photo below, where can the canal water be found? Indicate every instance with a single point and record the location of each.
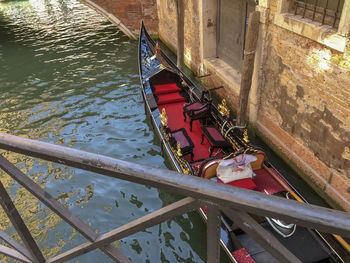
(69, 77)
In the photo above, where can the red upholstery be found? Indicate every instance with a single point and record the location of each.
(215, 134)
(196, 165)
(265, 182)
(195, 106)
(169, 98)
(243, 183)
(181, 138)
(242, 256)
(166, 88)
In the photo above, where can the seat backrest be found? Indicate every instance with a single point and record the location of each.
(258, 164)
(209, 169)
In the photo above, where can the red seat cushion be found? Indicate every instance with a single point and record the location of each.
(214, 136)
(169, 98)
(182, 137)
(242, 256)
(246, 183)
(266, 183)
(166, 88)
(195, 106)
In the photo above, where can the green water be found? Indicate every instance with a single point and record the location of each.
(69, 77)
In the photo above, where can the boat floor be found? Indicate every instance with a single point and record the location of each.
(176, 121)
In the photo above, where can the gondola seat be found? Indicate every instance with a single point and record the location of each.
(197, 110)
(185, 141)
(165, 88)
(214, 137)
(168, 98)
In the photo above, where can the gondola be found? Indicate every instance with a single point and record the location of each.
(198, 135)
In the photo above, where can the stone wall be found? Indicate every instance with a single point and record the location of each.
(305, 102)
(168, 29)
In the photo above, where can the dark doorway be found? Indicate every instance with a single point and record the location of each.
(233, 20)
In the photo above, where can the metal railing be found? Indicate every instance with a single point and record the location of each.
(325, 12)
(236, 203)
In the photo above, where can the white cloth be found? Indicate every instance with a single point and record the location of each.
(236, 168)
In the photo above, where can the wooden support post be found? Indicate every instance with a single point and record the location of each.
(12, 253)
(180, 33)
(213, 234)
(17, 246)
(248, 66)
(21, 228)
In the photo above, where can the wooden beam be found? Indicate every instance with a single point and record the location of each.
(18, 224)
(154, 218)
(180, 33)
(307, 215)
(58, 208)
(260, 235)
(248, 65)
(17, 246)
(213, 234)
(13, 254)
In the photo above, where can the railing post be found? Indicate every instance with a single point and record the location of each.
(21, 228)
(213, 234)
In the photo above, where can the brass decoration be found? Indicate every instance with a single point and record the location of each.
(164, 118)
(224, 111)
(185, 166)
(245, 136)
(178, 146)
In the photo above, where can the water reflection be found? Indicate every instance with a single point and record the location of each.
(71, 78)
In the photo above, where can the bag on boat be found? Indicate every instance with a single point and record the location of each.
(236, 168)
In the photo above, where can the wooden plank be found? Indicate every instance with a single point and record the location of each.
(260, 235)
(248, 65)
(213, 234)
(307, 215)
(154, 218)
(58, 208)
(17, 246)
(180, 34)
(13, 254)
(19, 225)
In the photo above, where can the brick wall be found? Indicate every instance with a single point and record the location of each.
(131, 12)
(305, 100)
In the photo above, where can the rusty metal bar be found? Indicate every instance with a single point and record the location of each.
(17, 246)
(58, 208)
(259, 234)
(307, 215)
(324, 12)
(317, 8)
(178, 208)
(18, 224)
(213, 234)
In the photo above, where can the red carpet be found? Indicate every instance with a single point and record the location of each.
(176, 121)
